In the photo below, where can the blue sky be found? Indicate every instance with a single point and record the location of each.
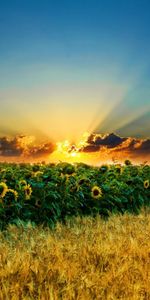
(66, 62)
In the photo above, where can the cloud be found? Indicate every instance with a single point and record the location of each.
(112, 144)
(22, 146)
(106, 146)
(90, 148)
(42, 150)
(110, 140)
(144, 148)
(10, 147)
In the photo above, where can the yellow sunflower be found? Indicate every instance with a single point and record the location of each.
(22, 182)
(66, 176)
(74, 188)
(146, 184)
(96, 192)
(3, 189)
(38, 203)
(118, 168)
(15, 193)
(83, 180)
(37, 173)
(3, 170)
(28, 191)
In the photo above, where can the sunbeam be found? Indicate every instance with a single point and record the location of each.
(127, 109)
(140, 126)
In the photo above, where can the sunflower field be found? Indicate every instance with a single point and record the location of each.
(47, 193)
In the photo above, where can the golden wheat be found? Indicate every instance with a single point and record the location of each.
(84, 259)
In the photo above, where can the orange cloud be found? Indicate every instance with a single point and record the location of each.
(120, 147)
(23, 146)
(93, 148)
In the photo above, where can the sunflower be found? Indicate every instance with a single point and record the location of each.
(103, 168)
(38, 203)
(96, 192)
(37, 173)
(146, 184)
(28, 191)
(3, 189)
(15, 193)
(22, 182)
(66, 177)
(75, 188)
(118, 169)
(3, 170)
(83, 180)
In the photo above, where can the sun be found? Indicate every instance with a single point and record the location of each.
(71, 152)
(67, 149)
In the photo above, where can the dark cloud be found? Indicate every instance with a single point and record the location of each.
(22, 146)
(135, 146)
(42, 150)
(110, 140)
(9, 147)
(144, 148)
(109, 144)
(91, 148)
(113, 144)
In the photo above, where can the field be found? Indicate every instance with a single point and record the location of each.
(74, 232)
(88, 258)
(45, 194)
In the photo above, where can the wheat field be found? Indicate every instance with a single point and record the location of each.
(85, 259)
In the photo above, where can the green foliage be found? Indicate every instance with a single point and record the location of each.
(45, 194)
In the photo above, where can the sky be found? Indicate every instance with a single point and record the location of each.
(69, 67)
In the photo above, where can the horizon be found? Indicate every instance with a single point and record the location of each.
(92, 148)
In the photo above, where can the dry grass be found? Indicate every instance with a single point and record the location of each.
(87, 259)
